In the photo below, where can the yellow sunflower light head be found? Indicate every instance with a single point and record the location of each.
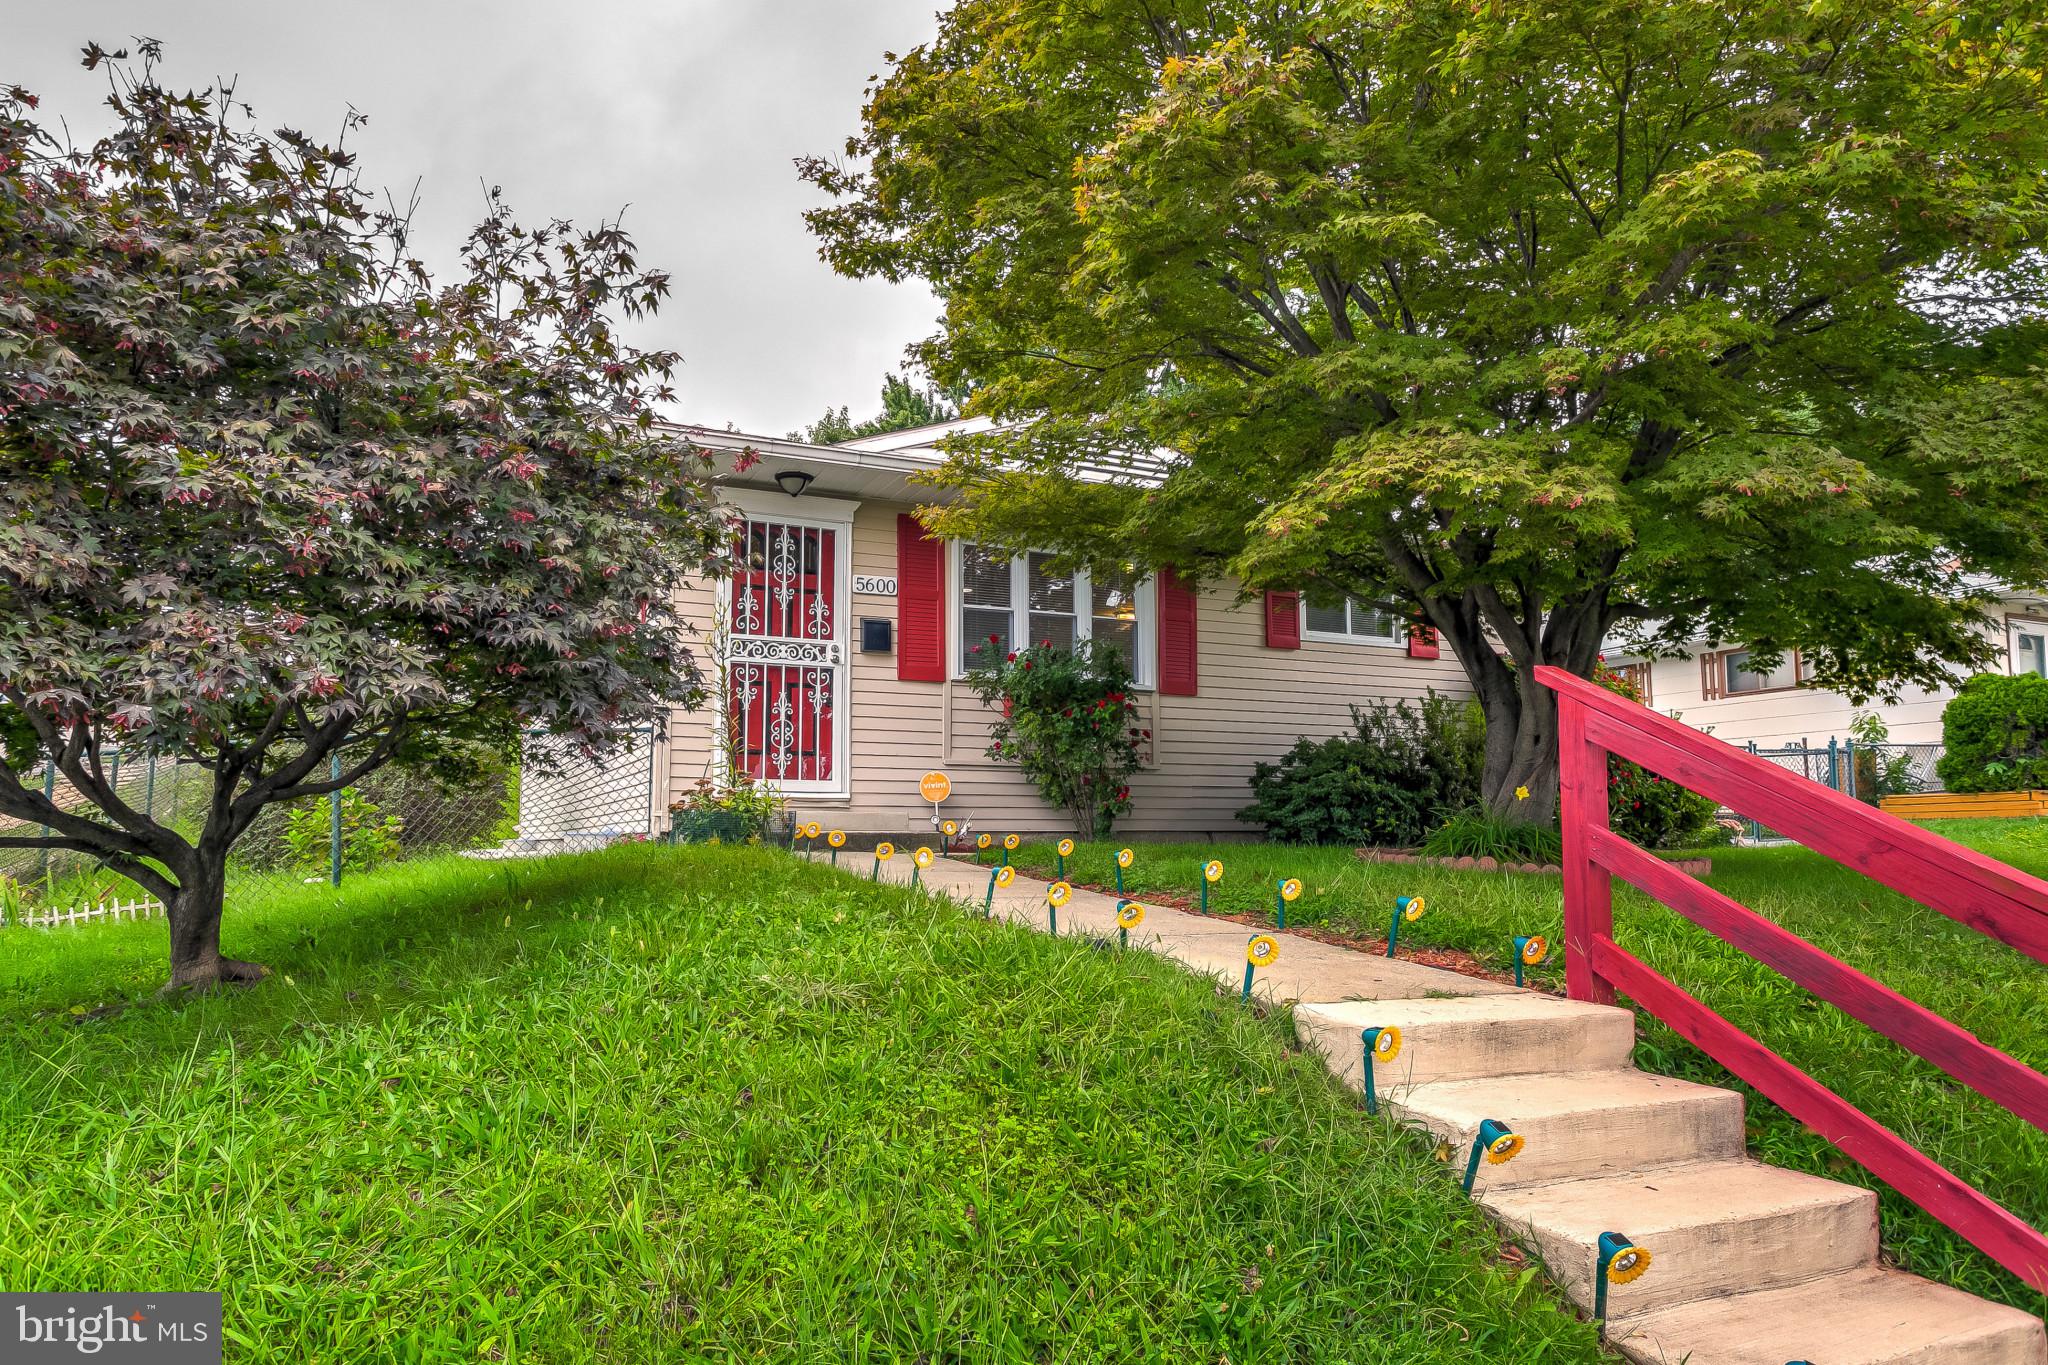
(1262, 951)
(1386, 1044)
(1411, 909)
(923, 857)
(982, 841)
(837, 838)
(1290, 890)
(1124, 857)
(1130, 915)
(1012, 842)
(1058, 894)
(1500, 1143)
(1066, 847)
(1628, 1264)
(1005, 875)
(950, 828)
(1213, 870)
(1534, 949)
(884, 852)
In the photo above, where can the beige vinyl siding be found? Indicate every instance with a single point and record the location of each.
(1253, 703)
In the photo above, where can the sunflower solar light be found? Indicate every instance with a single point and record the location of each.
(1285, 893)
(836, 840)
(949, 828)
(1495, 1141)
(1212, 873)
(999, 878)
(1407, 910)
(1124, 858)
(1065, 849)
(811, 833)
(1531, 950)
(1619, 1261)
(1011, 843)
(1262, 951)
(919, 861)
(1129, 915)
(1056, 895)
(1382, 1044)
(884, 851)
(981, 845)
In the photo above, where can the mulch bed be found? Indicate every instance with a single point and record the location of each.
(1692, 867)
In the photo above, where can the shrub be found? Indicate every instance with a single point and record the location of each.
(368, 836)
(1406, 769)
(739, 812)
(1876, 774)
(1994, 735)
(1475, 834)
(1067, 722)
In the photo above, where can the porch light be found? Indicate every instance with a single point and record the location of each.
(795, 481)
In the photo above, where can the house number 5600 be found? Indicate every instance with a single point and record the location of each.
(878, 587)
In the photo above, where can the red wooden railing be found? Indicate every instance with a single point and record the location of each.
(1996, 900)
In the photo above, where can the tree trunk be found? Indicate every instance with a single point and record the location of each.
(1521, 749)
(194, 914)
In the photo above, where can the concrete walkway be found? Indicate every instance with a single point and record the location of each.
(1750, 1264)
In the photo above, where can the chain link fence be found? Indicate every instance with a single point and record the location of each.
(1867, 771)
(550, 799)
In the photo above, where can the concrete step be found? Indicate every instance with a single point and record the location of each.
(1580, 1124)
(1712, 1228)
(1519, 1033)
(1862, 1317)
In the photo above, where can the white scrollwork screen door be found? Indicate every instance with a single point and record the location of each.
(786, 653)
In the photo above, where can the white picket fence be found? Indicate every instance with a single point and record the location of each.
(142, 908)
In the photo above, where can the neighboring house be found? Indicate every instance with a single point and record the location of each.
(1716, 691)
(848, 636)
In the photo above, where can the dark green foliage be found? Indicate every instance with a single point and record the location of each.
(1995, 735)
(1647, 809)
(904, 405)
(1476, 834)
(1405, 769)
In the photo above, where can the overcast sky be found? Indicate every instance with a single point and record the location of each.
(689, 111)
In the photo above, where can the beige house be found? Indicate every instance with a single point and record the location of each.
(846, 637)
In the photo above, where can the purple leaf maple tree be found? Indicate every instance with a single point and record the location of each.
(275, 501)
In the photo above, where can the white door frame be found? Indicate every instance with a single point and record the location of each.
(824, 514)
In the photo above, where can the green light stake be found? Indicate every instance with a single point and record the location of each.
(1620, 1261)
(1530, 950)
(1381, 1045)
(1283, 892)
(1497, 1143)
(1407, 910)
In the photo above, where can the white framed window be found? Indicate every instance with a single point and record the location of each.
(1002, 603)
(1740, 677)
(1352, 622)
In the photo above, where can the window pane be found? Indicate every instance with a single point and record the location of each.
(977, 624)
(1742, 678)
(2033, 655)
(1056, 630)
(1117, 633)
(1049, 591)
(1115, 593)
(984, 577)
(1326, 620)
(1373, 622)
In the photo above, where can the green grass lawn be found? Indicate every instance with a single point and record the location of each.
(701, 1104)
(1998, 994)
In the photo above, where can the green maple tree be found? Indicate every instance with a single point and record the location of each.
(1546, 321)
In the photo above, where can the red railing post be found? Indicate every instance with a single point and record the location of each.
(1588, 886)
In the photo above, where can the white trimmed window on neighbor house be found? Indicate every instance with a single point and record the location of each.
(1022, 600)
(1729, 673)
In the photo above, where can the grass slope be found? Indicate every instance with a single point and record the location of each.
(660, 1104)
(1996, 993)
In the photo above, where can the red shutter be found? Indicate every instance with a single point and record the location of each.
(1176, 635)
(1283, 620)
(1423, 642)
(920, 603)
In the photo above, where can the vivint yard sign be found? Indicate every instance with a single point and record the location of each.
(159, 1329)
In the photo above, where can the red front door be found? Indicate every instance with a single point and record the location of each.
(786, 653)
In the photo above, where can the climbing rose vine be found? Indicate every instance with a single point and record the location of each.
(1067, 719)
